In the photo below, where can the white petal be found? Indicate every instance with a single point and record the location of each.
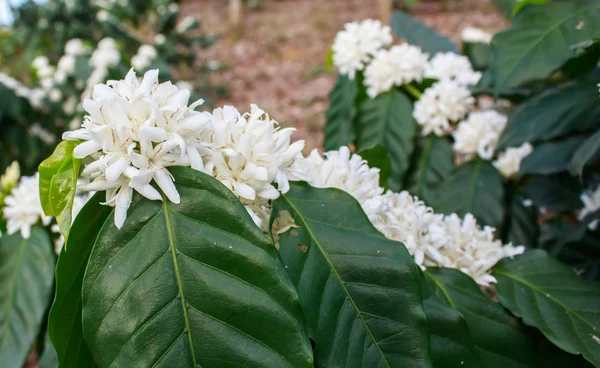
(149, 192)
(86, 148)
(164, 181)
(115, 170)
(153, 134)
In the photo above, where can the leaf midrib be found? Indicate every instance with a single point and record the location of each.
(334, 271)
(179, 281)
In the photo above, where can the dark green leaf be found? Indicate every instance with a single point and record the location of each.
(58, 181)
(451, 342)
(191, 284)
(417, 33)
(506, 6)
(26, 270)
(479, 54)
(64, 323)
(537, 43)
(433, 162)
(387, 120)
(378, 157)
(559, 192)
(499, 338)
(586, 153)
(569, 108)
(339, 129)
(474, 187)
(586, 58)
(552, 157)
(48, 358)
(360, 291)
(522, 3)
(521, 227)
(550, 297)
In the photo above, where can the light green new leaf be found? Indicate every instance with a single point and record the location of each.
(26, 272)
(538, 42)
(474, 187)
(339, 128)
(549, 296)
(64, 323)
(417, 33)
(587, 152)
(551, 157)
(195, 284)
(499, 338)
(387, 120)
(58, 181)
(359, 290)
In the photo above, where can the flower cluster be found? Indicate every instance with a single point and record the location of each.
(23, 207)
(104, 56)
(66, 64)
(144, 57)
(354, 47)
(475, 35)
(479, 134)
(135, 129)
(591, 204)
(509, 161)
(452, 66)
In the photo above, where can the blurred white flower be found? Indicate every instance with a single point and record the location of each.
(102, 16)
(394, 67)
(173, 7)
(34, 96)
(475, 35)
(479, 134)
(106, 55)
(357, 44)
(160, 39)
(452, 66)
(591, 204)
(509, 161)
(185, 24)
(10, 178)
(23, 208)
(75, 47)
(144, 57)
(135, 129)
(441, 104)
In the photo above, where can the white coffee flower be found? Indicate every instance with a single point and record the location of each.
(187, 23)
(106, 54)
(135, 129)
(23, 208)
(102, 16)
(591, 204)
(394, 67)
(357, 44)
(144, 57)
(452, 66)
(479, 134)
(509, 161)
(249, 154)
(475, 35)
(75, 47)
(160, 39)
(440, 105)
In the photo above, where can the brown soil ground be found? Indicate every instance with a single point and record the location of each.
(278, 60)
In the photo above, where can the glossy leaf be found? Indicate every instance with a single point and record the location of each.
(551, 157)
(387, 120)
(58, 181)
(537, 42)
(587, 153)
(479, 54)
(417, 33)
(474, 187)
(26, 271)
(433, 161)
(360, 291)
(191, 284)
(549, 296)
(65, 320)
(378, 157)
(569, 108)
(559, 192)
(339, 128)
(521, 227)
(499, 338)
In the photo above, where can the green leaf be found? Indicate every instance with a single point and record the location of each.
(474, 187)
(550, 297)
(499, 338)
(64, 323)
(566, 109)
(537, 43)
(387, 120)
(48, 358)
(58, 181)
(522, 3)
(26, 270)
(378, 157)
(417, 33)
(451, 342)
(552, 157)
(433, 161)
(506, 6)
(521, 227)
(558, 192)
(479, 54)
(586, 58)
(191, 284)
(586, 153)
(329, 59)
(339, 129)
(360, 291)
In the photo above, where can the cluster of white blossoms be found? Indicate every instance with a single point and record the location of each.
(475, 35)
(399, 65)
(452, 66)
(23, 207)
(509, 161)
(591, 204)
(144, 57)
(66, 64)
(441, 104)
(479, 134)
(104, 56)
(357, 44)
